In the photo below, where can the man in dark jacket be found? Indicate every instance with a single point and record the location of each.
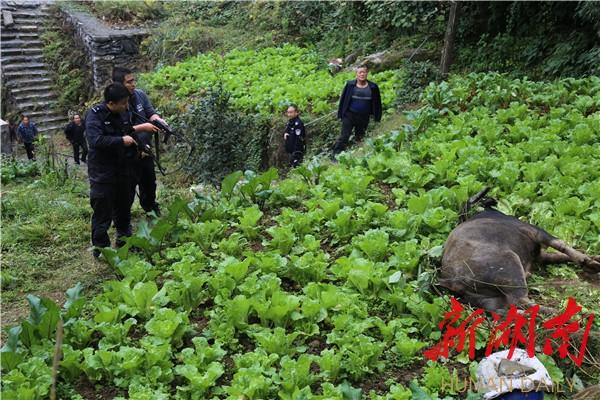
(75, 135)
(360, 99)
(140, 112)
(294, 136)
(27, 131)
(112, 152)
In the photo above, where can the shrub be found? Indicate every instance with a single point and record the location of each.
(178, 39)
(134, 11)
(414, 78)
(225, 138)
(13, 169)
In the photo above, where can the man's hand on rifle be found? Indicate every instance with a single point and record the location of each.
(146, 127)
(285, 136)
(128, 141)
(162, 121)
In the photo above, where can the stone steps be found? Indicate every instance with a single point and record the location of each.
(35, 105)
(16, 59)
(25, 66)
(30, 19)
(12, 51)
(24, 82)
(19, 35)
(47, 128)
(47, 115)
(31, 89)
(22, 12)
(57, 118)
(29, 13)
(9, 75)
(23, 5)
(20, 28)
(20, 43)
(36, 19)
(32, 96)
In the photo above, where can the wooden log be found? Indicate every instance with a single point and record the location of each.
(448, 50)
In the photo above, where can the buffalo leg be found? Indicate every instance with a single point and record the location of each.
(500, 304)
(489, 303)
(574, 255)
(554, 258)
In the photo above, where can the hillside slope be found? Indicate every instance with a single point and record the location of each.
(319, 285)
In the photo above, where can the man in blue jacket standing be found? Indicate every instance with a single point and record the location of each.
(360, 99)
(27, 132)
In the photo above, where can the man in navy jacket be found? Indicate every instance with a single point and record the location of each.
(27, 132)
(112, 152)
(360, 99)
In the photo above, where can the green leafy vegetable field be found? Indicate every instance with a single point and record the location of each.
(319, 285)
(263, 81)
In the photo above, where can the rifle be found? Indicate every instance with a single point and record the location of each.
(167, 132)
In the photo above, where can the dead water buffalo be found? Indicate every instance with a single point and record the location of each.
(487, 258)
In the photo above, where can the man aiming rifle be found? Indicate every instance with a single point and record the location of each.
(146, 122)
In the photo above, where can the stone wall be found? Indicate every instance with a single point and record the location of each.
(5, 139)
(105, 46)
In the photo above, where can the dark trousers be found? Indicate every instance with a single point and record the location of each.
(147, 185)
(84, 151)
(296, 158)
(29, 148)
(111, 202)
(358, 122)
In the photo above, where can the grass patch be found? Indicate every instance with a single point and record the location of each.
(46, 230)
(45, 235)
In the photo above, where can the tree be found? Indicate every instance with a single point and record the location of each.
(447, 51)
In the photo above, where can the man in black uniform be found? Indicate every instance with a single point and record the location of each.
(112, 150)
(140, 112)
(74, 132)
(294, 136)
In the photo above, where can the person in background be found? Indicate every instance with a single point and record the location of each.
(75, 135)
(12, 129)
(360, 99)
(140, 112)
(112, 157)
(27, 131)
(294, 136)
